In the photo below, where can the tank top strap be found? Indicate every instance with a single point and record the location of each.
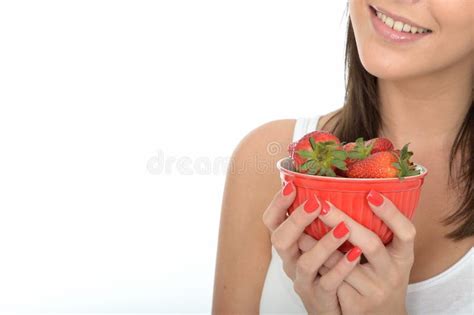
(305, 125)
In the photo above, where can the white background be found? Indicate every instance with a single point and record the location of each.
(96, 95)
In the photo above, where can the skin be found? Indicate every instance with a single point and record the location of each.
(437, 87)
(428, 79)
(378, 287)
(318, 296)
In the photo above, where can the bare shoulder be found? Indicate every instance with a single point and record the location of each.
(327, 121)
(276, 131)
(254, 159)
(244, 247)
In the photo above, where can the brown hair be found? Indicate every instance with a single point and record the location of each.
(360, 117)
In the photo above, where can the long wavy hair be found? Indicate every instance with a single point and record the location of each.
(360, 117)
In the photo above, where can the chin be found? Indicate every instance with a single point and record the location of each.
(386, 63)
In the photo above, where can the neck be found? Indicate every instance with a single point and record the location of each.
(431, 107)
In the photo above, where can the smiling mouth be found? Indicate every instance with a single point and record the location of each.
(397, 23)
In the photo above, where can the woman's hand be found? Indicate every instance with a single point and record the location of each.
(378, 287)
(319, 294)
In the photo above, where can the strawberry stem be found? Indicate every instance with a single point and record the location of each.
(322, 158)
(360, 151)
(404, 166)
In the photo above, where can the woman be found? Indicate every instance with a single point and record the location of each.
(418, 91)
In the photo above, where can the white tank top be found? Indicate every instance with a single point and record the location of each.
(450, 292)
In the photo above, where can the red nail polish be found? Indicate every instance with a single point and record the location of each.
(325, 207)
(288, 189)
(354, 253)
(311, 204)
(375, 198)
(340, 230)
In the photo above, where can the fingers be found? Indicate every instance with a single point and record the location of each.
(368, 241)
(349, 298)
(323, 270)
(309, 263)
(357, 277)
(404, 231)
(275, 214)
(285, 237)
(335, 276)
(307, 242)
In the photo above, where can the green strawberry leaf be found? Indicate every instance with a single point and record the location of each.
(314, 170)
(405, 167)
(306, 165)
(330, 172)
(360, 150)
(330, 145)
(356, 155)
(313, 143)
(404, 153)
(340, 164)
(305, 154)
(340, 154)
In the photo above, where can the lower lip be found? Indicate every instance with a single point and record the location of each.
(392, 35)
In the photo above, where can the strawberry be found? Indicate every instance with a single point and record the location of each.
(318, 153)
(379, 145)
(384, 164)
(357, 150)
(378, 165)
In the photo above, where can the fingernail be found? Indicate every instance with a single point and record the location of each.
(288, 189)
(311, 204)
(375, 198)
(325, 207)
(340, 230)
(354, 253)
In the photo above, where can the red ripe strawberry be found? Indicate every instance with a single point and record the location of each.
(379, 145)
(384, 164)
(318, 153)
(355, 151)
(377, 165)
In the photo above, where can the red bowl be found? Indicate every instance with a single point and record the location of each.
(349, 195)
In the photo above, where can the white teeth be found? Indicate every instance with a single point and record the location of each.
(399, 26)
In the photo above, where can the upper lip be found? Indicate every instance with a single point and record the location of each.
(397, 17)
